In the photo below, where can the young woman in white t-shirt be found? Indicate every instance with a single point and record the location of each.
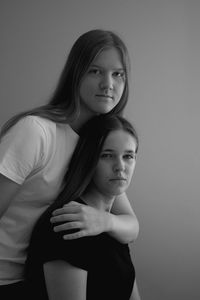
(36, 147)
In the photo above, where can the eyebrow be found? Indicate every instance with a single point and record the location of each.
(100, 67)
(111, 150)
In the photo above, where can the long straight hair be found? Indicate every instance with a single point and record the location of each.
(64, 105)
(86, 155)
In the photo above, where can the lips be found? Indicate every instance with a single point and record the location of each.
(104, 96)
(118, 179)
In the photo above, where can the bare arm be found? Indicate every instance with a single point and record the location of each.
(124, 225)
(135, 293)
(64, 281)
(8, 190)
(121, 223)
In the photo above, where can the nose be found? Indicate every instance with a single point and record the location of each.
(119, 165)
(106, 82)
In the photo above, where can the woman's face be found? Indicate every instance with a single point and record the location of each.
(116, 163)
(103, 84)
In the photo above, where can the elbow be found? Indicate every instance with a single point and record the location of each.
(135, 230)
(132, 233)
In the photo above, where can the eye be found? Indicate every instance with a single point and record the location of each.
(119, 74)
(130, 156)
(106, 155)
(94, 71)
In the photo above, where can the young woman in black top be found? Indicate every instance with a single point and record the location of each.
(93, 267)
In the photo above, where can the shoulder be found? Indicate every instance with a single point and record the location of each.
(47, 245)
(26, 146)
(40, 131)
(37, 124)
(53, 132)
(30, 127)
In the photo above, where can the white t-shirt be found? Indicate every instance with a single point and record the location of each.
(34, 153)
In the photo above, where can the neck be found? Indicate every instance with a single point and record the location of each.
(94, 198)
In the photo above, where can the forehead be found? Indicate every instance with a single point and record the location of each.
(120, 141)
(108, 58)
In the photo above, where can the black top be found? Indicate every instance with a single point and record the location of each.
(110, 270)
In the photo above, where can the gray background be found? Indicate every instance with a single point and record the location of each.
(163, 38)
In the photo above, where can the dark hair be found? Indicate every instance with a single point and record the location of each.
(78, 176)
(65, 103)
(86, 155)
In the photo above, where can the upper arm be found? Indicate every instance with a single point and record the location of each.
(122, 205)
(8, 189)
(65, 281)
(22, 150)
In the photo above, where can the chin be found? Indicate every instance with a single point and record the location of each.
(104, 109)
(118, 192)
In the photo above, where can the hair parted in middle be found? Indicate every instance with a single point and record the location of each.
(83, 52)
(86, 155)
(64, 104)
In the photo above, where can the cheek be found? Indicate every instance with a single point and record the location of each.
(97, 175)
(88, 83)
(83, 89)
(120, 90)
(102, 172)
(131, 171)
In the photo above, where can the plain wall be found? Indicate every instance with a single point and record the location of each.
(163, 38)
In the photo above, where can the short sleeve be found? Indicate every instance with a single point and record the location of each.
(102, 256)
(47, 245)
(85, 253)
(75, 252)
(22, 149)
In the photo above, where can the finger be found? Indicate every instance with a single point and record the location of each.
(72, 203)
(63, 218)
(67, 209)
(76, 235)
(67, 226)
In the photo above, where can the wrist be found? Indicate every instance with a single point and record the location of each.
(108, 222)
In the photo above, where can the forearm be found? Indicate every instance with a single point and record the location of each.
(124, 228)
(135, 293)
(122, 223)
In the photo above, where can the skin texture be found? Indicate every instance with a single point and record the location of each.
(116, 164)
(101, 87)
(103, 84)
